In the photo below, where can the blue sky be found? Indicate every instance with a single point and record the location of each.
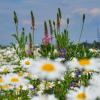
(46, 9)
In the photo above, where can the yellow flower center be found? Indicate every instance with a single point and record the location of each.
(81, 96)
(27, 62)
(49, 85)
(17, 89)
(1, 80)
(14, 80)
(5, 70)
(20, 74)
(48, 67)
(84, 62)
(5, 86)
(28, 74)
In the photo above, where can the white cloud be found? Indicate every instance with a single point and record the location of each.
(93, 11)
(80, 10)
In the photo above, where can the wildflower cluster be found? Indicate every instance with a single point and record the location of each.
(60, 70)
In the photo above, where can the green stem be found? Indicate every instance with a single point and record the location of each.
(16, 29)
(81, 32)
(79, 38)
(33, 43)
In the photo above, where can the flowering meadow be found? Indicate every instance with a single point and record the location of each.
(57, 69)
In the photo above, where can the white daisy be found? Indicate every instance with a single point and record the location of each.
(5, 87)
(27, 62)
(4, 83)
(47, 69)
(42, 86)
(40, 92)
(3, 80)
(50, 85)
(93, 50)
(59, 59)
(36, 53)
(44, 97)
(82, 93)
(16, 80)
(95, 81)
(85, 63)
(30, 75)
(6, 68)
(55, 52)
(30, 86)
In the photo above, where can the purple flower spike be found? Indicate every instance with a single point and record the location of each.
(46, 40)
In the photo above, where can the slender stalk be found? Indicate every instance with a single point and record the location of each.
(58, 23)
(33, 25)
(82, 28)
(67, 23)
(16, 29)
(81, 32)
(83, 21)
(51, 29)
(45, 29)
(16, 22)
